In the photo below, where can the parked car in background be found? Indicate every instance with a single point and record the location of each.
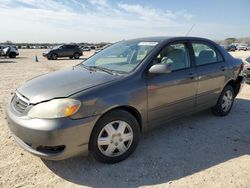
(66, 50)
(103, 104)
(8, 51)
(97, 50)
(86, 48)
(242, 47)
(246, 71)
(231, 48)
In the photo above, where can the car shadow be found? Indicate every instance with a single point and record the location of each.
(7, 61)
(21, 57)
(183, 147)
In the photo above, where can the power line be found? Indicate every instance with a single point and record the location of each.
(190, 30)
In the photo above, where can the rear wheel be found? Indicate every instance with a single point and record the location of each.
(114, 137)
(225, 102)
(76, 55)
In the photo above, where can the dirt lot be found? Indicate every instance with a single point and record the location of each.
(197, 151)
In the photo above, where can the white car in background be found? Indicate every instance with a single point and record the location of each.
(243, 47)
(8, 51)
(86, 49)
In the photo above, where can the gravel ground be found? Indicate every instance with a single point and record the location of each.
(196, 151)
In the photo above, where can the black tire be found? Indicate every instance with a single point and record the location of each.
(71, 57)
(53, 56)
(218, 109)
(12, 55)
(76, 55)
(116, 115)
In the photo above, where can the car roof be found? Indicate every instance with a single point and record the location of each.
(70, 44)
(161, 39)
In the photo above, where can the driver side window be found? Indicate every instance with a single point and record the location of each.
(175, 55)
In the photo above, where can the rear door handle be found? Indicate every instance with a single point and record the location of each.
(191, 75)
(222, 68)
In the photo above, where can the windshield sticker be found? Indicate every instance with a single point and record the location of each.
(147, 43)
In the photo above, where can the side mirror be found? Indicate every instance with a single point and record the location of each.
(160, 69)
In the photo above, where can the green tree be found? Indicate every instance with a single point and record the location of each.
(230, 40)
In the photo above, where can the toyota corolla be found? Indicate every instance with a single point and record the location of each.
(102, 105)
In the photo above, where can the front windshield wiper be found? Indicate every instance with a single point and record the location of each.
(92, 67)
(104, 69)
(101, 68)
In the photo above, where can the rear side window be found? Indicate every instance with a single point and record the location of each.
(204, 54)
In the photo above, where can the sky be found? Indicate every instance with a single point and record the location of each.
(41, 21)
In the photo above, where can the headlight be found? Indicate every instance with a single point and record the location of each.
(56, 108)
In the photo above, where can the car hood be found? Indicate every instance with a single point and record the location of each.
(48, 51)
(63, 83)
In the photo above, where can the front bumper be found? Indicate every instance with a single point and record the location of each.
(34, 134)
(45, 55)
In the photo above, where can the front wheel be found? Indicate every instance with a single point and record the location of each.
(225, 102)
(12, 55)
(115, 137)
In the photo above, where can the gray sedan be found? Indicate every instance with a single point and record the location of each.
(103, 104)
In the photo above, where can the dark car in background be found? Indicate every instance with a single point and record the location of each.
(66, 50)
(231, 48)
(103, 104)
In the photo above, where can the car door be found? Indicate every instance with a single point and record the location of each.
(60, 51)
(211, 67)
(67, 51)
(70, 50)
(172, 94)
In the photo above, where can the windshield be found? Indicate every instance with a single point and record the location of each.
(56, 47)
(121, 57)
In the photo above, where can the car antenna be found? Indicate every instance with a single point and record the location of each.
(190, 30)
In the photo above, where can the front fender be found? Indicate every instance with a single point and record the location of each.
(129, 92)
